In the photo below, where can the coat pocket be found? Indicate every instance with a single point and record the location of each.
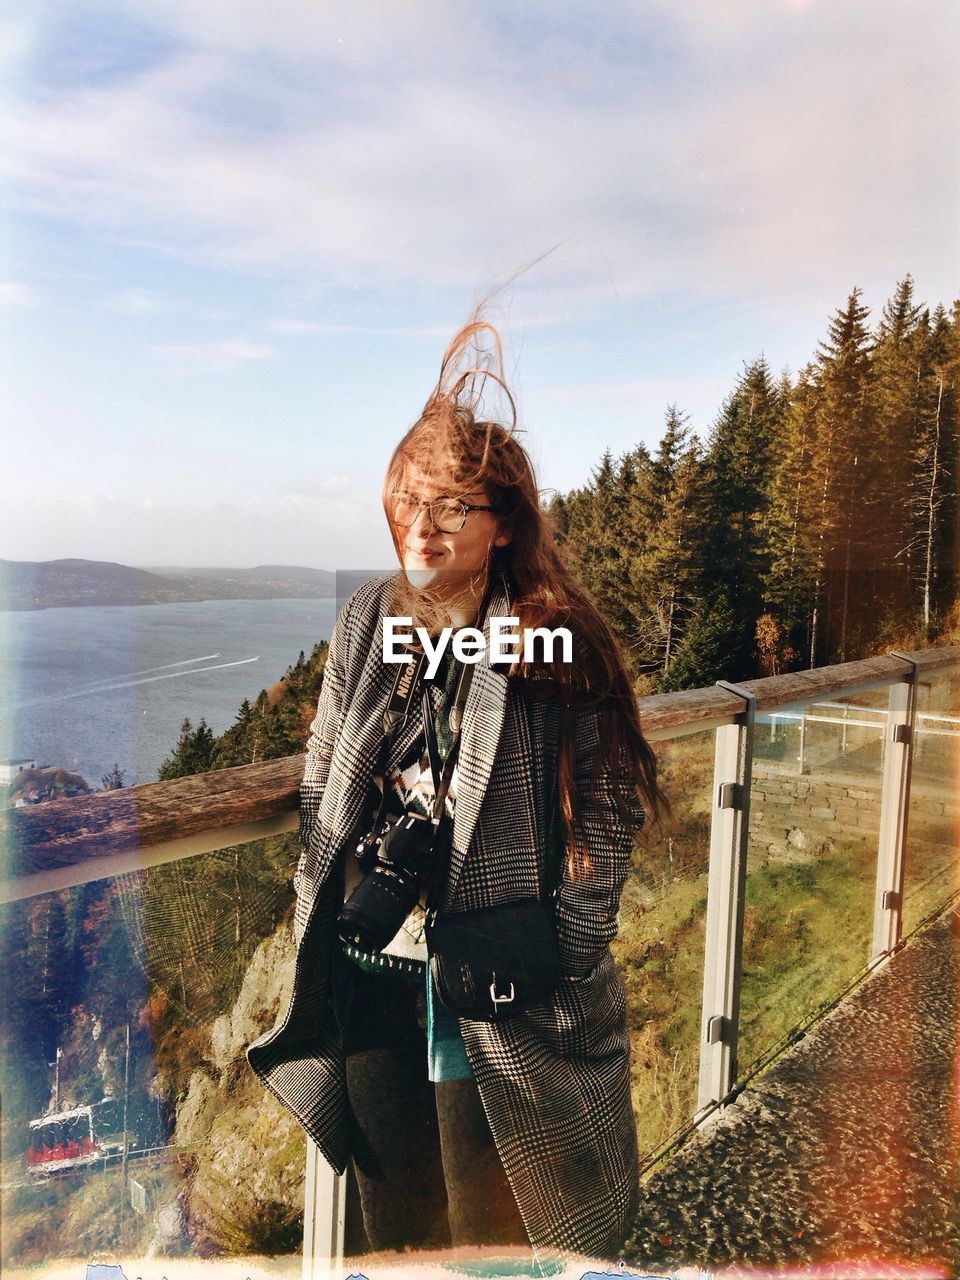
(586, 1017)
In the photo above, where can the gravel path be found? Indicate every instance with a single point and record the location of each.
(845, 1151)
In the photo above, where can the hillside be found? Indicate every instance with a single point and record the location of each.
(52, 584)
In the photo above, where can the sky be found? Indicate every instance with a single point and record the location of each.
(236, 238)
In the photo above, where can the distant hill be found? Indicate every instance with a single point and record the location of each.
(49, 584)
(260, 573)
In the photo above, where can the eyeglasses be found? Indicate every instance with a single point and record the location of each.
(447, 515)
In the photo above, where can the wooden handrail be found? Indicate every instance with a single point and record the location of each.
(66, 833)
(62, 833)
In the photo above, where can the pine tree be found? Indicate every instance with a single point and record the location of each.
(898, 375)
(599, 540)
(817, 504)
(787, 525)
(703, 653)
(175, 765)
(233, 747)
(931, 500)
(113, 781)
(194, 752)
(557, 514)
(737, 475)
(673, 562)
(846, 470)
(202, 754)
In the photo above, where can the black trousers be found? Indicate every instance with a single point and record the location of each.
(426, 1164)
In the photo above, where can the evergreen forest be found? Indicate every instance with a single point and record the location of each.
(816, 524)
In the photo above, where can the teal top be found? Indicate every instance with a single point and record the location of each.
(446, 1053)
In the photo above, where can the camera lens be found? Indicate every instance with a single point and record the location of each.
(376, 909)
(382, 900)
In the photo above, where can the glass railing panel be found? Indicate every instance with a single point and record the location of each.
(132, 1125)
(811, 864)
(932, 857)
(659, 949)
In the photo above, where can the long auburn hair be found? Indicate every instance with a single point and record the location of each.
(455, 442)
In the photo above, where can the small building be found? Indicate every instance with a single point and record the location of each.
(10, 768)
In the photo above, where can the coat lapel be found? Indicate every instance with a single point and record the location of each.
(482, 726)
(358, 743)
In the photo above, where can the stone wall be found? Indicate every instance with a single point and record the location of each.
(795, 818)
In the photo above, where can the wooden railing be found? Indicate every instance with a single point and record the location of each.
(73, 841)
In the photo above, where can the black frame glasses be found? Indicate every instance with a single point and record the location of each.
(432, 508)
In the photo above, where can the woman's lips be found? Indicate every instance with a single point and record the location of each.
(425, 554)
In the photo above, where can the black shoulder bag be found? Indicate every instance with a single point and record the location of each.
(492, 963)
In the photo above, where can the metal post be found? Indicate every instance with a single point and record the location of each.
(126, 1141)
(803, 728)
(894, 805)
(324, 1217)
(727, 881)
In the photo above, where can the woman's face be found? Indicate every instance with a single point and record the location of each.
(429, 554)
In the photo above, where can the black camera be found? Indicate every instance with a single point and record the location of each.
(376, 909)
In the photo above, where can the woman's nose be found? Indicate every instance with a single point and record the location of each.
(423, 525)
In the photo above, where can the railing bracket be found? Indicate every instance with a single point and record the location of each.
(891, 900)
(717, 1029)
(901, 733)
(731, 796)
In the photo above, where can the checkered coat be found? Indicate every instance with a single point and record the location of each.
(554, 1081)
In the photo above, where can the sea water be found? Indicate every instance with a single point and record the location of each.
(86, 688)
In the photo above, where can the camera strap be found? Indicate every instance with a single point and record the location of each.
(398, 708)
(442, 770)
(409, 676)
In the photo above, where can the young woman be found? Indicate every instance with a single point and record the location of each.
(462, 1130)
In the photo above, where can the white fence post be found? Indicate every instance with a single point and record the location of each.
(725, 893)
(894, 805)
(324, 1218)
(803, 734)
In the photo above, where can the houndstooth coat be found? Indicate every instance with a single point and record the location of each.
(554, 1081)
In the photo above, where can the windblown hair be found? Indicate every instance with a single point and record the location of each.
(455, 444)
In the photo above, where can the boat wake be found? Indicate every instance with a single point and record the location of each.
(140, 677)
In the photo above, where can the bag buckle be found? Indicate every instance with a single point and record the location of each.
(501, 999)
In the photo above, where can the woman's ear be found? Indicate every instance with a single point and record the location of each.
(502, 539)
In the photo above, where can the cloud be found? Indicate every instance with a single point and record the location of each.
(321, 328)
(338, 33)
(133, 302)
(15, 294)
(711, 147)
(330, 526)
(638, 396)
(213, 357)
